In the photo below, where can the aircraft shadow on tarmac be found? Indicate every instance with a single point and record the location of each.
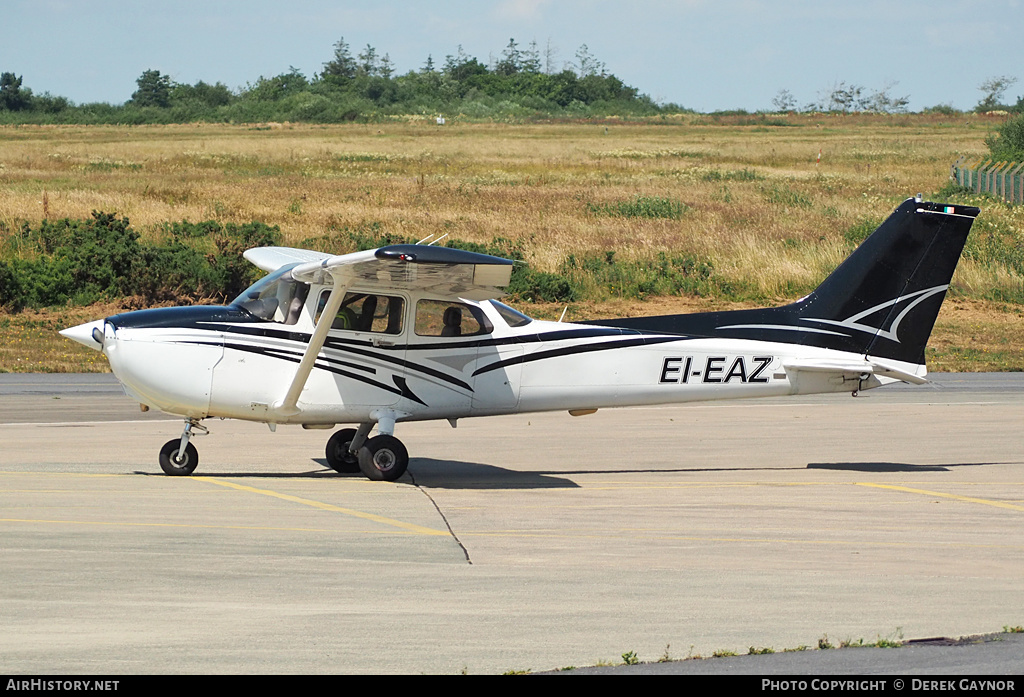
(424, 472)
(892, 466)
(431, 473)
(313, 474)
(452, 474)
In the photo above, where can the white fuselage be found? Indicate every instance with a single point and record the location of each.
(242, 369)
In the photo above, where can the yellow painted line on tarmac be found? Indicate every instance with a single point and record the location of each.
(112, 523)
(162, 421)
(626, 534)
(955, 497)
(411, 527)
(60, 474)
(610, 486)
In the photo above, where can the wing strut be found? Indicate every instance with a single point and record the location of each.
(287, 406)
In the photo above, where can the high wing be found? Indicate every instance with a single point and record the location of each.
(273, 258)
(453, 273)
(449, 272)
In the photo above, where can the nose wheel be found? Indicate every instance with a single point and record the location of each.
(178, 463)
(179, 458)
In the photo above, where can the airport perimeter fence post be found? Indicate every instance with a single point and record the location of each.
(1004, 180)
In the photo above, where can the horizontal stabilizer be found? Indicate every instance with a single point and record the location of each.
(890, 372)
(853, 368)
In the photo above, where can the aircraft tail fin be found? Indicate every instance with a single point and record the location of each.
(882, 301)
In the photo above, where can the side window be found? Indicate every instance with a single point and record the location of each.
(447, 318)
(365, 312)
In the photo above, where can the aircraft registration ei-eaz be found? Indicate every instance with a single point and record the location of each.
(415, 332)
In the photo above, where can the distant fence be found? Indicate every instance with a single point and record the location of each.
(1002, 179)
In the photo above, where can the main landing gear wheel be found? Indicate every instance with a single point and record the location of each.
(383, 458)
(174, 465)
(338, 456)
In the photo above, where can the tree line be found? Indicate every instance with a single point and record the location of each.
(844, 97)
(521, 82)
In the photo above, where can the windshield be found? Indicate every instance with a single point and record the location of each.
(275, 298)
(514, 318)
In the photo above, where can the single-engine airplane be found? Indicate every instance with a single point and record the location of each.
(416, 332)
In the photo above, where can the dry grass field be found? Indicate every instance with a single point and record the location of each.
(769, 218)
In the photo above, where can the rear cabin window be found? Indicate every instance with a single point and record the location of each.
(447, 318)
(513, 317)
(365, 312)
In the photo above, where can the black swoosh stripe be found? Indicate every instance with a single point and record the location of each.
(356, 347)
(403, 385)
(300, 337)
(296, 358)
(572, 350)
(287, 355)
(399, 362)
(347, 345)
(345, 373)
(555, 335)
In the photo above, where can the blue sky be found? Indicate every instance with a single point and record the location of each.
(702, 54)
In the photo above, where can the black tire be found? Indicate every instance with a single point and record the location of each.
(338, 457)
(383, 459)
(170, 463)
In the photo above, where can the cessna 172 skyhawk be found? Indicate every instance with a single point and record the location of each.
(415, 332)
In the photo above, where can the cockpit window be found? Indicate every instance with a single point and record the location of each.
(365, 312)
(275, 298)
(514, 318)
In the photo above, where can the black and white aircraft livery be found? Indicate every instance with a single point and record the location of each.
(416, 332)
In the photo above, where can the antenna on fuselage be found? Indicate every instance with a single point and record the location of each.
(563, 313)
(433, 242)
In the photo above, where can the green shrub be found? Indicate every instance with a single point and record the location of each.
(641, 207)
(952, 191)
(745, 174)
(784, 196)
(601, 275)
(991, 243)
(85, 261)
(185, 230)
(944, 109)
(1007, 143)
